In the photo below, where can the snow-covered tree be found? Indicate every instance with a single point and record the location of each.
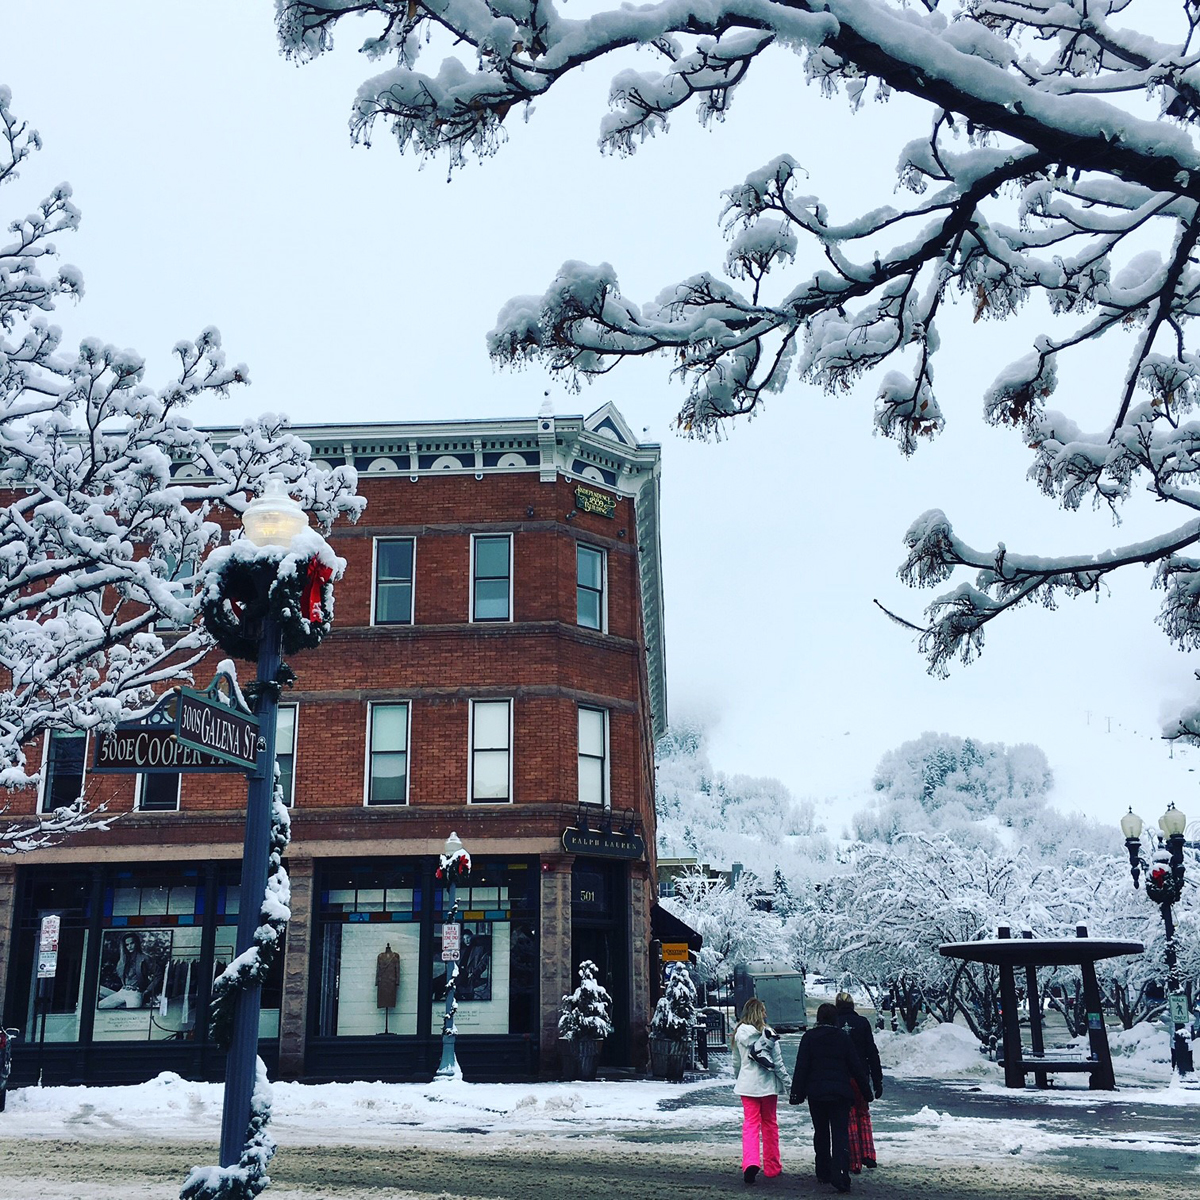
(675, 1013)
(587, 1011)
(943, 783)
(719, 819)
(1055, 161)
(108, 502)
(734, 927)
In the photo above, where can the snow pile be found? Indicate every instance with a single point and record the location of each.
(939, 1052)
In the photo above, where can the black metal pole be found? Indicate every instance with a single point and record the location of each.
(1181, 1051)
(241, 1064)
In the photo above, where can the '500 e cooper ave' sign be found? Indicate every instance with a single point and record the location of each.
(150, 750)
(214, 728)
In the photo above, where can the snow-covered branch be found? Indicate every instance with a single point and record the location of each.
(1058, 164)
(109, 499)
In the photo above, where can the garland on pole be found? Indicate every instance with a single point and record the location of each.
(249, 1177)
(240, 592)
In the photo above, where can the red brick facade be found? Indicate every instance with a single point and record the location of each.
(541, 660)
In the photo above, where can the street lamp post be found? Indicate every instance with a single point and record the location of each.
(455, 864)
(1164, 885)
(272, 519)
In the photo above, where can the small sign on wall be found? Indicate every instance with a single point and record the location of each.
(674, 952)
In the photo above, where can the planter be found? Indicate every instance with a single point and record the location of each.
(580, 1057)
(668, 1057)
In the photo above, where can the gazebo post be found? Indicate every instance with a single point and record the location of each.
(1033, 997)
(1102, 1077)
(1014, 1067)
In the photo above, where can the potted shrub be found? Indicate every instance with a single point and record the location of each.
(584, 1022)
(672, 1025)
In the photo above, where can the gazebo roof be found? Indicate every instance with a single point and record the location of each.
(1040, 952)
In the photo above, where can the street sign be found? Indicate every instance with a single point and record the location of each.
(674, 952)
(212, 727)
(451, 940)
(139, 749)
(1177, 1007)
(48, 946)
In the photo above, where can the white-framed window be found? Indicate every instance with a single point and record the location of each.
(158, 792)
(64, 769)
(491, 577)
(395, 570)
(185, 571)
(285, 751)
(591, 571)
(491, 752)
(593, 757)
(387, 753)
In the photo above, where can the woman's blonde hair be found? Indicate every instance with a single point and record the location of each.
(754, 1012)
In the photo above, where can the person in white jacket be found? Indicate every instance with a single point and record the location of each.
(760, 1078)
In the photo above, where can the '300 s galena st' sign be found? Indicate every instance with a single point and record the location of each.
(216, 729)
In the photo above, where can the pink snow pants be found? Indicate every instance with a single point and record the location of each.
(759, 1119)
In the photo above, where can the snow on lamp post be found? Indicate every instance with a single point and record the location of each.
(1164, 885)
(453, 867)
(265, 595)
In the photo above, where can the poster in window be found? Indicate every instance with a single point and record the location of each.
(133, 967)
(474, 965)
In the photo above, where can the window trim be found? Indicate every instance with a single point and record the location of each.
(475, 538)
(600, 550)
(605, 804)
(139, 792)
(47, 773)
(372, 705)
(290, 800)
(412, 607)
(471, 751)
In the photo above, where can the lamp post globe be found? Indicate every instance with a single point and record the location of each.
(1172, 822)
(1131, 828)
(273, 518)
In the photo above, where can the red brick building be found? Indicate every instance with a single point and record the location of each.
(496, 669)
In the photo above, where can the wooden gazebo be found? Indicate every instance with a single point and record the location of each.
(1008, 953)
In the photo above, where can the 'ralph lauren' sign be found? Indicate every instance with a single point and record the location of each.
(598, 844)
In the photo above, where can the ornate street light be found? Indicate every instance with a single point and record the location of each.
(1164, 885)
(273, 518)
(454, 867)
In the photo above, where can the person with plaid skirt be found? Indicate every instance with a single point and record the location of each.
(862, 1138)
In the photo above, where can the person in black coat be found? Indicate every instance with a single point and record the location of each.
(825, 1064)
(862, 1136)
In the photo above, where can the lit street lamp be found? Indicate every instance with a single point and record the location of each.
(271, 519)
(1164, 885)
(453, 867)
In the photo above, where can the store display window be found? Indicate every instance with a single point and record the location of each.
(369, 947)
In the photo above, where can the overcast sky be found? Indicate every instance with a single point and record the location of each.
(219, 186)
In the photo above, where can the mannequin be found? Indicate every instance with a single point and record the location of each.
(387, 981)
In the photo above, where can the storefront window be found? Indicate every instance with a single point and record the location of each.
(63, 992)
(497, 971)
(370, 945)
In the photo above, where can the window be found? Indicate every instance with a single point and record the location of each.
(593, 757)
(589, 586)
(491, 761)
(491, 578)
(394, 581)
(158, 792)
(388, 782)
(185, 572)
(64, 769)
(285, 751)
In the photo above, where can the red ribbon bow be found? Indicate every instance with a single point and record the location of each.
(310, 599)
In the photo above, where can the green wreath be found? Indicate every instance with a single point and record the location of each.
(249, 592)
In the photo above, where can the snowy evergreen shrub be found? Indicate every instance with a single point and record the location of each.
(587, 1011)
(675, 1012)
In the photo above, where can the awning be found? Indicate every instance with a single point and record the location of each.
(666, 927)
